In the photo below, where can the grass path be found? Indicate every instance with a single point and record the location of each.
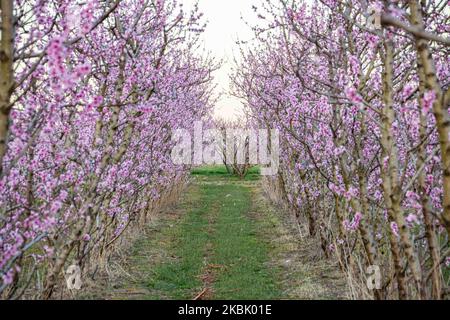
(223, 241)
(219, 254)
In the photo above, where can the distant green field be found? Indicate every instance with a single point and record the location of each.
(220, 171)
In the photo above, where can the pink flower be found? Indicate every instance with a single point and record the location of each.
(8, 277)
(354, 224)
(428, 100)
(373, 40)
(49, 251)
(354, 64)
(353, 95)
(394, 228)
(412, 218)
(98, 100)
(407, 91)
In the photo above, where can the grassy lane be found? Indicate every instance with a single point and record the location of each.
(178, 277)
(164, 263)
(240, 251)
(217, 249)
(224, 240)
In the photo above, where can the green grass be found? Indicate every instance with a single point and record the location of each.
(210, 171)
(241, 252)
(178, 279)
(225, 236)
(221, 173)
(218, 231)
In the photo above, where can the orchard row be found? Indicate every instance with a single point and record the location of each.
(359, 91)
(89, 94)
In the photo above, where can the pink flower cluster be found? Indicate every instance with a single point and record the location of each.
(361, 127)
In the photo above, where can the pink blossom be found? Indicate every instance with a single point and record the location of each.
(394, 228)
(428, 100)
(354, 224)
(353, 95)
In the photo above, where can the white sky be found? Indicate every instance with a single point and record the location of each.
(224, 28)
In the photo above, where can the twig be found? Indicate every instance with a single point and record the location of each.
(201, 294)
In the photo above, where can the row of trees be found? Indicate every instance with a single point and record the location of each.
(235, 156)
(89, 93)
(362, 110)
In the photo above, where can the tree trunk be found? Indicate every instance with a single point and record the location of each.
(439, 109)
(6, 73)
(390, 176)
(424, 199)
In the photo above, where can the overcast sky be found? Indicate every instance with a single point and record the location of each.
(224, 28)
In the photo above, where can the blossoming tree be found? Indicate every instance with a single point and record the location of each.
(89, 94)
(360, 93)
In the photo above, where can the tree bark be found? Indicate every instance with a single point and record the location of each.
(6, 73)
(390, 178)
(428, 68)
(424, 199)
